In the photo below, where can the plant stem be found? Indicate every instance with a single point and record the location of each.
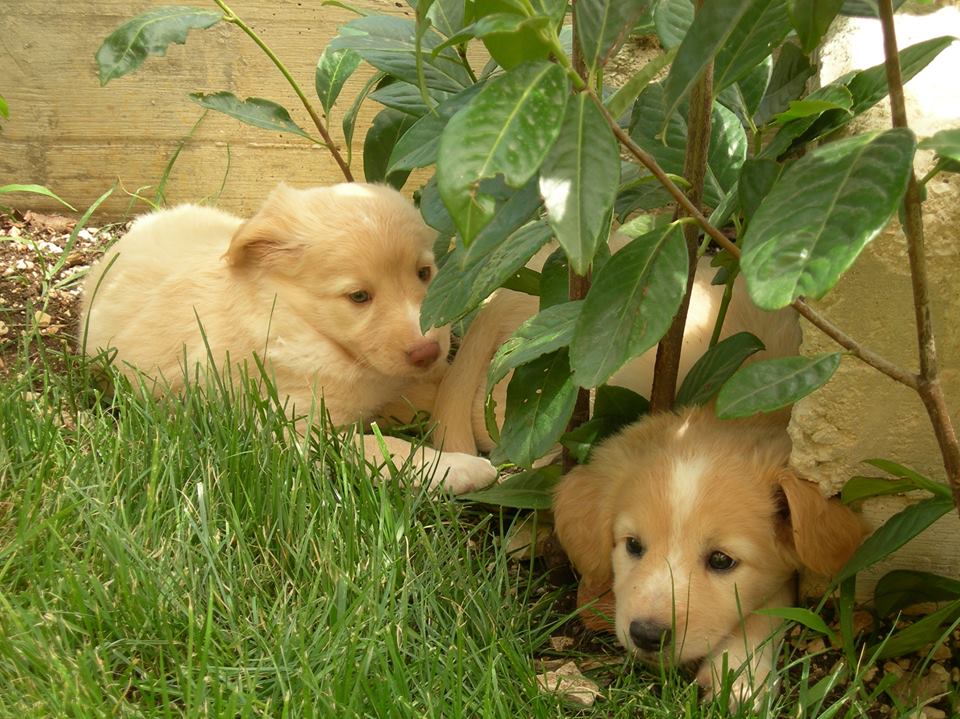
(577, 285)
(667, 366)
(868, 356)
(929, 387)
(232, 18)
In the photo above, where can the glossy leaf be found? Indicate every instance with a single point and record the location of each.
(35, 190)
(821, 213)
(621, 100)
(865, 8)
(915, 478)
(254, 111)
(523, 41)
(859, 488)
(554, 280)
(420, 144)
(759, 31)
(931, 629)
(787, 81)
(671, 20)
(447, 16)
(407, 98)
(715, 367)
(579, 180)
(387, 128)
(798, 130)
(507, 129)
(769, 385)
(902, 588)
(630, 305)
(810, 620)
(390, 45)
(807, 107)
(946, 143)
(532, 489)
(895, 532)
(127, 47)
(543, 333)
(602, 26)
(540, 400)
(712, 25)
(757, 178)
(811, 18)
(743, 97)
(334, 68)
(350, 116)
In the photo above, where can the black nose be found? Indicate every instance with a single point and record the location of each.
(649, 636)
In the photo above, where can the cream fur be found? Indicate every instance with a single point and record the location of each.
(284, 285)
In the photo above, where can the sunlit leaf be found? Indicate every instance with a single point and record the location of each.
(771, 384)
(715, 367)
(334, 68)
(254, 111)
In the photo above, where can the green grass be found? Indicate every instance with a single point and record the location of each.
(184, 558)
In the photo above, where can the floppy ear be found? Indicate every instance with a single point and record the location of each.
(267, 240)
(823, 532)
(583, 520)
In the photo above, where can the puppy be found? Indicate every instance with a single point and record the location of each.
(459, 405)
(323, 284)
(695, 523)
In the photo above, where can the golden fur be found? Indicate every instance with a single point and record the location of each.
(324, 284)
(653, 505)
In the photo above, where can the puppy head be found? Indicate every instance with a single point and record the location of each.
(353, 261)
(696, 523)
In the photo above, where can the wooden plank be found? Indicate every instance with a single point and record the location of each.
(70, 134)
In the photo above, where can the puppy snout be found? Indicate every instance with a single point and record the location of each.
(649, 636)
(423, 354)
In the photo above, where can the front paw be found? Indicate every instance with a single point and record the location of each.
(460, 473)
(746, 689)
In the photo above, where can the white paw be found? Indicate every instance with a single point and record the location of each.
(745, 690)
(460, 473)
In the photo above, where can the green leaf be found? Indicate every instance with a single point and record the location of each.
(865, 8)
(35, 190)
(579, 180)
(933, 628)
(672, 19)
(350, 116)
(420, 144)
(254, 111)
(630, 305)
(390, 45)
(543, 333)
(406, 98)
(540, 400)
(467, 278)
(507, 129)
(895, 532)
(912, 476)
(333, 69)
(759, 31)
(743, 97)
(790, 134)
(620, 101)
(525, 42)
(506, 23)
(811, 18)
(902, 588)
(946, 143)
(712, 25)
(4, 108)
(387, 128)
(808, 107)
(602, 26)
(715, 367)
(799, 615)
(619, 403)
(787, 81)
(757, 178)
(728, 141)
(434, 212)
(127, 47)
(447, 16)
(821, 213)
(772, 384)
(554, 280)
(859, 488)
(532, 489)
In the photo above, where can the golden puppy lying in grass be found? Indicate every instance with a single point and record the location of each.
(695, 523)
(323, 284)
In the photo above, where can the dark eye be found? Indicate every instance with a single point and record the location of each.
(634, 548)
(720, 562)
(425, 273)
(360, 297)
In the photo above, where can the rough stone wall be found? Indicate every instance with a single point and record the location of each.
(861, 414)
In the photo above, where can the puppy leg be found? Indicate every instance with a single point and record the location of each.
(455, 472)
(752, 651)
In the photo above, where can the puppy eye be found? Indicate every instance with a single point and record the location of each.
(425, 273)
(360, 297)
(720, 562)
(634, 548)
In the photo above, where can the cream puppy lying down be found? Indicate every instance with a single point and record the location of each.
(324, 284)
(696, 523)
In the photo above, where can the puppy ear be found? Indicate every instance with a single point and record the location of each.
(267, 240)
(584, 524)
(823, 532)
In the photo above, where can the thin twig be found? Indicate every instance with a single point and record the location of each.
(232, 18)
(930, 389)
(815, 318)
